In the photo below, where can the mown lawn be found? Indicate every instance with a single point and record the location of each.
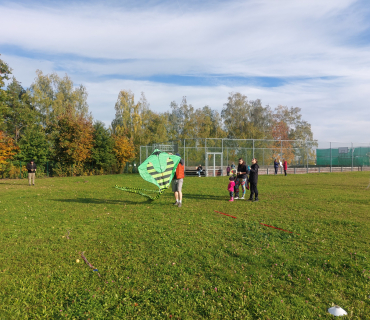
(158, 261)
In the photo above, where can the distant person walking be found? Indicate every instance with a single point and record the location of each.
(285, 166)
(242, 178)
(178, 181)
(276, 166)
(31, 167)
(228, 169)
(253, 179)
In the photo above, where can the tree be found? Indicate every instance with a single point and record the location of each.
(34, 145)
(74, 139)
(20, 113)
(103, 143)
(54, 96)
(5, 71)
(124, 150)
(245, 120)
(7, 148)
(288, 125)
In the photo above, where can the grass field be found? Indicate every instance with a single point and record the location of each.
(158, 261)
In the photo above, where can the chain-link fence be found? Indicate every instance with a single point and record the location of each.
(301, 155)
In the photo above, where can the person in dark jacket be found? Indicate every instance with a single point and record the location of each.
(199, 170)
(253, 179)
(276, 166)
(242, 178)
(228, 169)
(31, 167)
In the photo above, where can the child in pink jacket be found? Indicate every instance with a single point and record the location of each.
(230, 188)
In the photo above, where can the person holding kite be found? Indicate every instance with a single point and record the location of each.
(159, 168)
(178, 181)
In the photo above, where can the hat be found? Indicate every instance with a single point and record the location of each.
(177, 154)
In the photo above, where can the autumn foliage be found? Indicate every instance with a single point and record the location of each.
(123, 149)
(7, 148)
(74, 139)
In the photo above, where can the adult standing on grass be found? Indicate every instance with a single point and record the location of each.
(178, 181)
(285, 166)
(31, 167)
(228, 169)
(241, 178)
(253, 179)
(276, 166)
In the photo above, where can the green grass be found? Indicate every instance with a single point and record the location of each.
(158, 261)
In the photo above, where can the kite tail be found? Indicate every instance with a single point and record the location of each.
(138, 191)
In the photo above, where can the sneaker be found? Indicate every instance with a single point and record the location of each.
(236, 198)
(242, 198)
(256, 199)
(179, 205)
(176, 203)
(250, 199)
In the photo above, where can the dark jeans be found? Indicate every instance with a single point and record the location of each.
(276, 169)
(284, 171)
(231, 194)
(254, 190)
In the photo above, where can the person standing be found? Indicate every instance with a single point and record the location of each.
(230, 188)
(285, 166)
(31, 167)
(241, 178)
(228, 169)
(276, 166)
(253, 179)
(178, 181)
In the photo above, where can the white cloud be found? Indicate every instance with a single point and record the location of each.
(287, 38)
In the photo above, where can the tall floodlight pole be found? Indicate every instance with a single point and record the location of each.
(352, 155)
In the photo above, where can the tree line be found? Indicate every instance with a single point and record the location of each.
(51, 121)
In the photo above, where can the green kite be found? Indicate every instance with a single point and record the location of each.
(159, 169)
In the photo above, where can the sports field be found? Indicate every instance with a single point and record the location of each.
(158, 261)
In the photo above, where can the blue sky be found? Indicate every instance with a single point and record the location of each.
(310, 54)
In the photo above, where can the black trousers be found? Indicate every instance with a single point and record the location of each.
(276, 169)
(253, 187)
(284, 171)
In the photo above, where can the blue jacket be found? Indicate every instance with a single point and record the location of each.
(276, 164)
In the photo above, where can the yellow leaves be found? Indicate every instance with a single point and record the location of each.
(7, 148)
(124, 149)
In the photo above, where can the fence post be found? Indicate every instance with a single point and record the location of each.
(319, 169)
(253, 149)
(330, 156)
(352, 155)
(267, 170)
(20, 169)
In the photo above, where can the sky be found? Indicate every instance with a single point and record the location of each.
(310, 54)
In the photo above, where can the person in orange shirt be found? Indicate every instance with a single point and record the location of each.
(178, 181)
